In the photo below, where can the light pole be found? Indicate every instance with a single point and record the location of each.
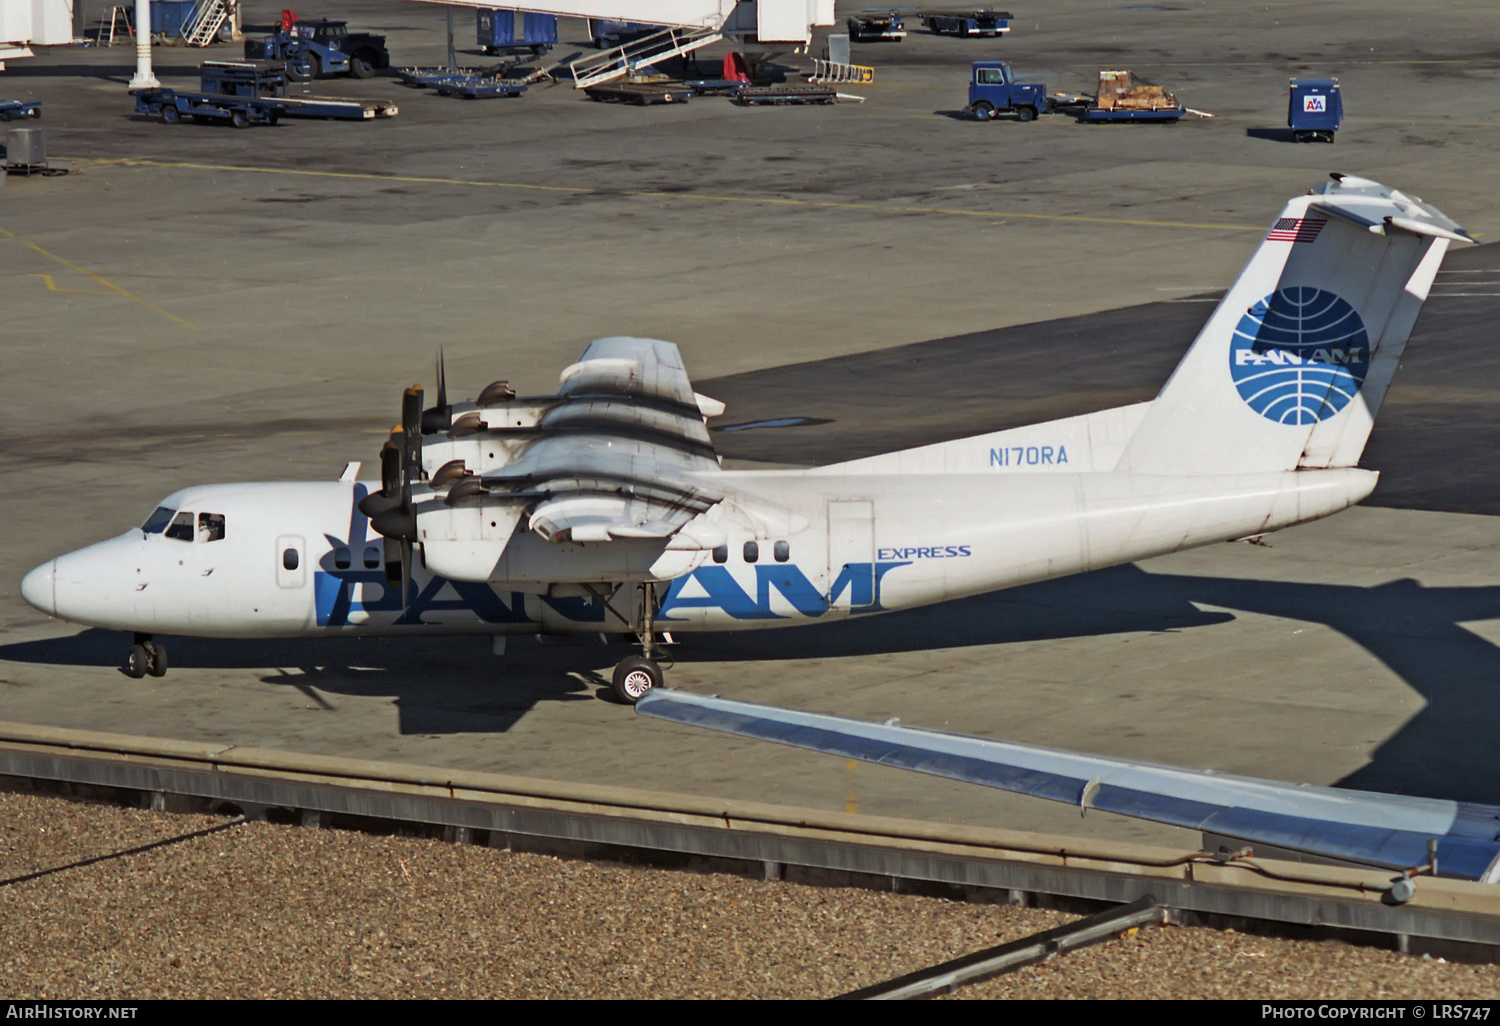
(144, 77)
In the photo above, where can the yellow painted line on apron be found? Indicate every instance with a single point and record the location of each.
(683, 196)
(111, 286)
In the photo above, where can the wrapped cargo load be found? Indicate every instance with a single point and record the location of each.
(1125, 96)
(1124, 90)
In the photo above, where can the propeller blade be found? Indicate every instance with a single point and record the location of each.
(398, 567)
(411, 410)
(390, 468)
(405, 572)
(439, 417)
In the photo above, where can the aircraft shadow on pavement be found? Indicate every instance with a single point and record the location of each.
(454, 685)
(1446, 750)
(1283, 135)
(119, 72)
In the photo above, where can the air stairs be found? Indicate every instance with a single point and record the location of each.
(638, 54)
(202, 26)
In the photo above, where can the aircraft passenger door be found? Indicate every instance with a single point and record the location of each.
(851, 553)
(291, 561)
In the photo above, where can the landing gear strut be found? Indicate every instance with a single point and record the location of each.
(146, 656)
(638, 674)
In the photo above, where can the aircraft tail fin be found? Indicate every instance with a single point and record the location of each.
(1291, 368)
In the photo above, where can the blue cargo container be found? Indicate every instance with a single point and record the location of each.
(169, 16)
(497, 31)
(1315, 109)
(606, 32)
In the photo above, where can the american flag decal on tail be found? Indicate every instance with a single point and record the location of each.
(1296, 229)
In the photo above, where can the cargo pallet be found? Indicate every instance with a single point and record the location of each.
(472, 87)
(781, 96)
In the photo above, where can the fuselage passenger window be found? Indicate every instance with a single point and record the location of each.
(752, 552)
(181, 527)
(783, 552)
(210, 527)
(721, 553)
(341, 558)
(290, 560)
(372, 557)
(158, 520)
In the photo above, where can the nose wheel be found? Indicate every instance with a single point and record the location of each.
(146, 656)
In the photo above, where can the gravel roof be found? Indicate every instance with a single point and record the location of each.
(260, 910)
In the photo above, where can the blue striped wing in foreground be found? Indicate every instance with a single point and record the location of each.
(1365, 827)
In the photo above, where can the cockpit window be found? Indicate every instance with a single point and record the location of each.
(181, 527)
(158, 520)
(210, 526)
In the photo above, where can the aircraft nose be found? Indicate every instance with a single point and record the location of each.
(40, 587)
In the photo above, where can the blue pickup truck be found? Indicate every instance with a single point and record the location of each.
(993, 90)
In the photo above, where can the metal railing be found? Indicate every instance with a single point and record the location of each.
(640, 53)
(202, 26)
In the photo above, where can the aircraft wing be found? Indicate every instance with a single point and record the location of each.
(1363, 827)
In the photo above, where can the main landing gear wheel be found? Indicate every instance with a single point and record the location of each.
(146, 656)
(634, 677)
(138, 662)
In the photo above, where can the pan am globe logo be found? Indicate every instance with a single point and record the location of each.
(1299, 355)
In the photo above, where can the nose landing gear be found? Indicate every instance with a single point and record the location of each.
(146, 656)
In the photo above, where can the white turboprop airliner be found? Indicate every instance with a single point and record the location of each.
(603, 509)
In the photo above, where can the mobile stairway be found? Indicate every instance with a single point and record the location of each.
(638, 54)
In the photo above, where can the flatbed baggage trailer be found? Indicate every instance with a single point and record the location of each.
(1124, 96)
(244, 93)
(783, 96)
(877, 28)
(11, 110)
(336, 108)
(239, 111)
(640, 93)
(1093, 115)
(986, 23)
